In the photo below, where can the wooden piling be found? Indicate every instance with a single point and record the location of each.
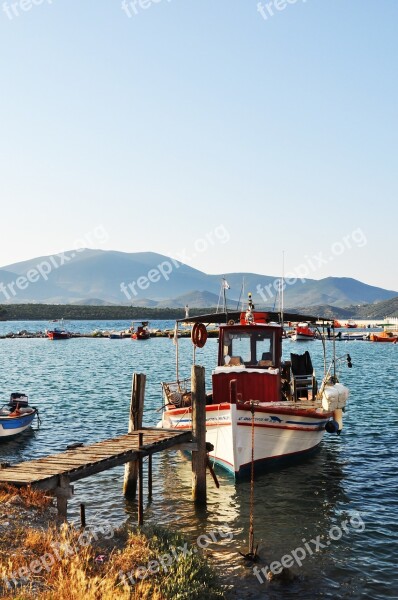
(82, 516)
(135, 423)
(199, 456)
(150, 477)
(63, 493)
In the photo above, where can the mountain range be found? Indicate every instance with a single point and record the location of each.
(88, 276)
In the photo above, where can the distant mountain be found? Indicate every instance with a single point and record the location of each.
(388, 308)
(154, 280)
(327, 311)
(197, 299)
(378, 310)
(93, 302)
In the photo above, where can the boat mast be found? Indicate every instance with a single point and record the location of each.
(241, 295)
(175, 342)
(282, 286)
(225, 287)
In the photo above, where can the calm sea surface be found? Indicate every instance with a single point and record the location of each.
(82, 388)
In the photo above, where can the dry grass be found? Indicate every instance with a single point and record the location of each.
(51, 563)
(31, 498)
(72, 572)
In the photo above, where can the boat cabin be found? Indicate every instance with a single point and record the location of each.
(250, 354)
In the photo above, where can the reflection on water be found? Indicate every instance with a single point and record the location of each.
(82, 388)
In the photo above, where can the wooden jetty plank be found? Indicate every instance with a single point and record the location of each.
(7, 477)
(44, 473)
(56, 472)
(46, 468)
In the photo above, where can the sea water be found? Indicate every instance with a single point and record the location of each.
(342, 502)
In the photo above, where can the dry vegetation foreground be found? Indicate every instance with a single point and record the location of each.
(39, 559)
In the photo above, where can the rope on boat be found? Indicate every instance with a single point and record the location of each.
(252, 554)
(38, 418)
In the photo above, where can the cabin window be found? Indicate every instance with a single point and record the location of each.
(237, 349)
(249, 349)
(265, 351)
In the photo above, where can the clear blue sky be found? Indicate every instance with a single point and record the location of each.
(192, 114)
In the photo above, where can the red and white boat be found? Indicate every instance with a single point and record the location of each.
(303, 333)
(256, 396)
(351, 324)
(58, 332)
(142, 332)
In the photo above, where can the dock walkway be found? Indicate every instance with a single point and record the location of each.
(78, 463)
(55, 473)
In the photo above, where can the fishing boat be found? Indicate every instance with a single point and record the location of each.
(350, 337)
(16, 416)
(257, 402)
(384, 336)
(303, 333)
(142, 332)
(58, 332)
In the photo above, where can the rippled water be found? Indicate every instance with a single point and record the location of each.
(82, 387)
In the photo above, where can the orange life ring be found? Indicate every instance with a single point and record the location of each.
(199, 335)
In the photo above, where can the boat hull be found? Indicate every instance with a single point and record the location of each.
(281, 434)
(58, 335)
(13, 426)
(302, 337)
(380, 338)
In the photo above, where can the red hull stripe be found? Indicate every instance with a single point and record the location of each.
(275, 410)
(295, 412)
(275, 426)
(207, 425)
(209, 408)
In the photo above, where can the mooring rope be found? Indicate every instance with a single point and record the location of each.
(252, 554)
(251, 530)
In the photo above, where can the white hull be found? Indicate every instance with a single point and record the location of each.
(10, 427)
(278, 435)
(299, 337)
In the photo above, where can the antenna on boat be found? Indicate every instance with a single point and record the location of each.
(225, 286)
(242, 294)
(282, 286)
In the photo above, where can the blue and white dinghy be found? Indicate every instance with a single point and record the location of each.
(16, 416)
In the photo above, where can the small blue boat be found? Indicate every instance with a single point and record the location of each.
(16, 416)
(115, 335)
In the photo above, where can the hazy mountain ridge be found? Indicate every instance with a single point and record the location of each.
(150, 279)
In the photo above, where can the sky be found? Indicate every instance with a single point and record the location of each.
(226, 133)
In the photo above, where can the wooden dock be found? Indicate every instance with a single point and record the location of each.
(55, 473)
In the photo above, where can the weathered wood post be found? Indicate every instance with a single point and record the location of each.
(135, 423)
(150, 477)
(63, 493)
(199, 456)
(83, 516)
